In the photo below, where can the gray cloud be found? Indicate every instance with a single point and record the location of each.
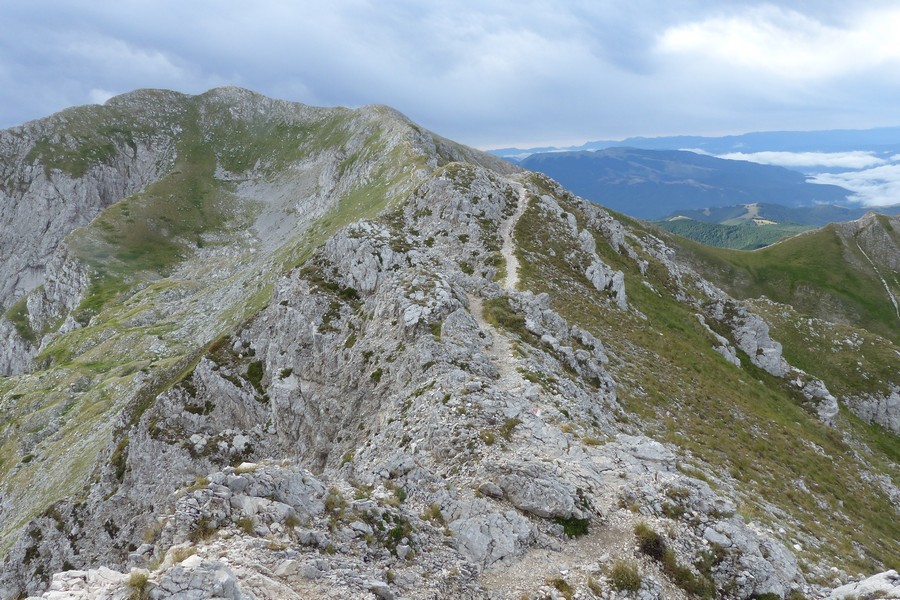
(491, 73)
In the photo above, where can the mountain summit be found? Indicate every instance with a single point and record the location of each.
(255, 349)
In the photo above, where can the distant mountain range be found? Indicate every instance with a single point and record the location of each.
(652, 184)
(882, 139)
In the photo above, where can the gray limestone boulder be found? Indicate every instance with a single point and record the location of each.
(606, 280)
(882, 585)
(883, 409)
(751, 334)
(532, 489)
(491, 537)
(197, 579)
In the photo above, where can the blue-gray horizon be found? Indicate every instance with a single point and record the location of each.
(490, 74)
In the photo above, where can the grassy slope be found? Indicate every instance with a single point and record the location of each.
(851, 360)
(815, 273)
(737, 237)
(741, 424)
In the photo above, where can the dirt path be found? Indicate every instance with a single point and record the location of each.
(540, 566)
(509, 245)
(500, 350)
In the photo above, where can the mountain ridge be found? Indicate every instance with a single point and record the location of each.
(833, 140)
(349, 371)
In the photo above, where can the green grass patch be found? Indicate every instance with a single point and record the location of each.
(17, 314)
(499, 313)
(574, 527)
(624, 576)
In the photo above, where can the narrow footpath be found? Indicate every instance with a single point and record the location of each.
(509, 244)
(501, 350)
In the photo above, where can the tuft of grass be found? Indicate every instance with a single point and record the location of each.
(137, 583)
(574, 527)
(203, 529)
(654, 545)
(180, 554)
(509, 425)
(624, 576)
(292, 521)
(649, 542)
(245, 524)
(563, 587)
(335, 503)
(433, 513)
(488, 437)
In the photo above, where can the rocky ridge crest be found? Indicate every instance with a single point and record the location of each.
(398, 419)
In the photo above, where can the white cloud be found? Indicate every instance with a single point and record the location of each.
(108, 54)
(788, 44)
(879, 186)
(98, 96)
(841, 160)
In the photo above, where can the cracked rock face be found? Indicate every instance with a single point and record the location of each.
(42, 202)
(883, 409)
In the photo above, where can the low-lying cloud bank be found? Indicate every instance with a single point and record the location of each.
(879, 186)
(874, 180)
(856, 159)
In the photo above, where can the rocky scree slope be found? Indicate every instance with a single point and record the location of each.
(391, 415)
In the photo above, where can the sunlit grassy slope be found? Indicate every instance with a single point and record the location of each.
(741, 236)
(821, 274)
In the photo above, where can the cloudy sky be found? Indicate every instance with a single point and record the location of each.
(490, 73)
